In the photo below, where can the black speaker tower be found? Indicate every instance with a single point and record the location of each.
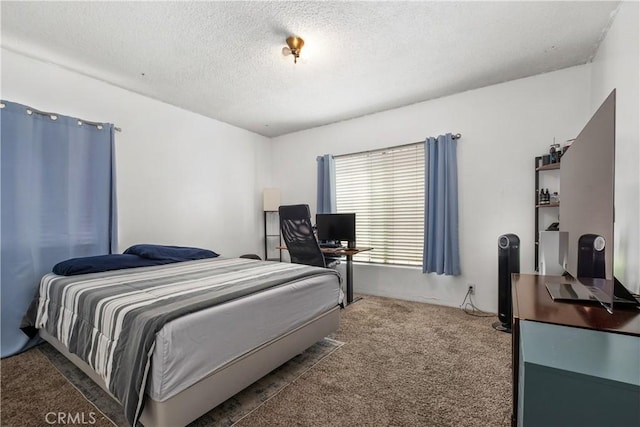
(508, 262)
(591, 256)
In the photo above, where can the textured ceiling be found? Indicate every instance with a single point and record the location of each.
(224, 59)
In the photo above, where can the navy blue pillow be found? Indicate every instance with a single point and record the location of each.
(172, 253)
(100, 263)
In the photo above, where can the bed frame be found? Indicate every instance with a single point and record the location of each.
(227, 380)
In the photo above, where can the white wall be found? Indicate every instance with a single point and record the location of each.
(182, 178)
(616, 65)
(503, 126)
(187, 179)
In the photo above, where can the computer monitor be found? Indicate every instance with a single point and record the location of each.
(340, 226)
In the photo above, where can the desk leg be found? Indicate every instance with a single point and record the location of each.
(349, 279)
(350, 299)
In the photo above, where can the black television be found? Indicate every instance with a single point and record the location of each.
(587, 186)
(587, 175)
(340, 226)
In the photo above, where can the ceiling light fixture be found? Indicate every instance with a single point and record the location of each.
(295, 46)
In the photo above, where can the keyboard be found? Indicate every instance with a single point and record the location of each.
(331, 245)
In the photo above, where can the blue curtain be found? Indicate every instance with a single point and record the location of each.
(58, 196)
(441, 249)
(326, 184)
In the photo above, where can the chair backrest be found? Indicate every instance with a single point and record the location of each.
(297, 232)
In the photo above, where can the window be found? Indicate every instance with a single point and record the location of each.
(385, 188)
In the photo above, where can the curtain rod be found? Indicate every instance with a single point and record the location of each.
(456, 136)
(31, 110)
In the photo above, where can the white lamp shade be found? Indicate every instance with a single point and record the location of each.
(271, 199)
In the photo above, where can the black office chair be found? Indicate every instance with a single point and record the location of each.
(297, 232)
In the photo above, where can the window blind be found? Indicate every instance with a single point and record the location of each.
(385, 188)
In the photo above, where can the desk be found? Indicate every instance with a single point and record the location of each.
(569, 345)
(349, 253)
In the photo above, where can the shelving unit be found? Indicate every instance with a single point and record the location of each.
(539, 167)
(272, 236)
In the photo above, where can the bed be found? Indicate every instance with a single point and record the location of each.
(232, 321)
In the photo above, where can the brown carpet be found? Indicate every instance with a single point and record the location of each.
(34, 392)
(403, 364)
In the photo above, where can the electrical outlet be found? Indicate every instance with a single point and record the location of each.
(472, 289)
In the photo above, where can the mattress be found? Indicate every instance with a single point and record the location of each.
(111, 319)
(194, 346)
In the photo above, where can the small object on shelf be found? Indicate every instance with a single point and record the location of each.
(544, 197)
(555, 198)
(553, 152)
(555, 226)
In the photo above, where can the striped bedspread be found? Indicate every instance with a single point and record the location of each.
(110, 319)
